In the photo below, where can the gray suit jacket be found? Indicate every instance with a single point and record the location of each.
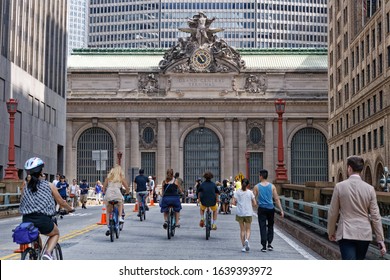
(355, 202)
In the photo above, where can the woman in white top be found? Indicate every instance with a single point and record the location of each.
(245, 201)
(74, 191)
(112, 189)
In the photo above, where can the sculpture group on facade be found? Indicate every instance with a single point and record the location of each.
(202, 51)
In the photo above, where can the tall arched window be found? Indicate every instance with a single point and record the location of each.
(201, 153)
(94, 139)
(309, 156)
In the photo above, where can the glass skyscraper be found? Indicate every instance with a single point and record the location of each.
(77, 24)
(247, 24)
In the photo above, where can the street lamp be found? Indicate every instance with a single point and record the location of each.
(11, 172)
(385, 180)
(281, 172)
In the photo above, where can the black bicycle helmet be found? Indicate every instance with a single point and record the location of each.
(34, 165)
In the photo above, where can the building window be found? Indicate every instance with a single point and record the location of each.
(374, 103)
(381, 136)
(255, 135)
(309, 162)
(359, 145)
(354, 146)
(369, 140)
(148, 135)
(148, 163)
(364, 143)
(375, 138)
(380, 100)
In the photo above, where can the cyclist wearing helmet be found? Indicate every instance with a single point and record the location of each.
(37, 203)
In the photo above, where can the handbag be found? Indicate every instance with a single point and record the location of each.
(72, 195)
(25, 233)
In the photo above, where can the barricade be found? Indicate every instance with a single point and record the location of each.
(151, 203)
(136, 206)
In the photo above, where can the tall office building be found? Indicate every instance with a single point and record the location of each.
(247, 24)
(359, 69)
(77, 24)
(33, 71)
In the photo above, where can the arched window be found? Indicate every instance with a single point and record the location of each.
(100, 141)
(309, 156)
(201, 153)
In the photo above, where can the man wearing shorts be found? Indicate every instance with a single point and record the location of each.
(208, 195)
(140, 183)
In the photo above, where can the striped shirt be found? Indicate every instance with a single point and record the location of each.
(41, 201)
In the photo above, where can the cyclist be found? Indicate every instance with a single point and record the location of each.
(140, 186)
(170, 197)
(37, 204)
(112, 188)
(208, 196)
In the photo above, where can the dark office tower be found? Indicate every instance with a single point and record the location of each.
(33, 48)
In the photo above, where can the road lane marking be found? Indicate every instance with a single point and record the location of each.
(72, 234)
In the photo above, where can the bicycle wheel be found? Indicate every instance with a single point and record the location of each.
(140, 212)
(57, 252)
(144, 214)
(169, 224)
(29, 254)
(208, 224)
(112, 229)
(173, 224)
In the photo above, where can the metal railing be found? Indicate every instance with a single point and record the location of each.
(6, 199)
(314, 215)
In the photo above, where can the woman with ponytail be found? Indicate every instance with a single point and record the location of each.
(37, 204)
(245, 201)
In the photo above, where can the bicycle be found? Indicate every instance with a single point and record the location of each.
(171, 222)
(208, 222)
(113, 223)
(142, 207)
(35, 251)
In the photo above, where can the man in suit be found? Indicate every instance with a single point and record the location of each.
(355, 202)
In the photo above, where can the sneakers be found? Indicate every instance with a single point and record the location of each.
(270, 248)
(46, 256)
(264, 250)
(107, 233)
(246, 245)
(165, 225)
(214, 227)
(121, 220)
(201, 223)
(243, 249)
(146, 208)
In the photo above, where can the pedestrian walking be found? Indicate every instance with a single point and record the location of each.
(266, 194)
(98, 192)
(84, 188)
(244, 199)
(355, 209)
(74, 191)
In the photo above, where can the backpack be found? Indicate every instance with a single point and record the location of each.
(25, 233)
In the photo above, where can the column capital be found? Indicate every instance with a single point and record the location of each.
(228, 119)
(134, 119)
(161, 119)
(121, 119)
(175, 119)
(241, 119)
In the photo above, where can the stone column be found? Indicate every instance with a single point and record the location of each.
(228, 162)
(175, 162)
(270, 148)
(121, 142)
(242, 145)
(161, 153)
(70, 165)
(135, 158)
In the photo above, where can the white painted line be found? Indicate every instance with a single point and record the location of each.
(293, 244)
(298, 248)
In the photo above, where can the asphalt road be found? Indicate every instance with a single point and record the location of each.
(83, 239)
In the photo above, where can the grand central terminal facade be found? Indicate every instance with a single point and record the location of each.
(198, 106)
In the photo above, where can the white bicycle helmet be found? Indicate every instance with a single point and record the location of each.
(34, 165)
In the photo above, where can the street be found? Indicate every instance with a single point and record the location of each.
(83, 239)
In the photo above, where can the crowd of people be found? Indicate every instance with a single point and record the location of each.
(353, 203)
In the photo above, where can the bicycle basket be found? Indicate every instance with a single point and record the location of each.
(25, 233)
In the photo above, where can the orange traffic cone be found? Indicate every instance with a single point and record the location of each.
(103, 220)
(135, 206)
(151, 203)
(22, 247)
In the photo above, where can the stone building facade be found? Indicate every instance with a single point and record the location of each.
(198, 106)
(359, 108)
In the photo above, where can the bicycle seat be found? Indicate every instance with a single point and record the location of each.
(113, 202)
